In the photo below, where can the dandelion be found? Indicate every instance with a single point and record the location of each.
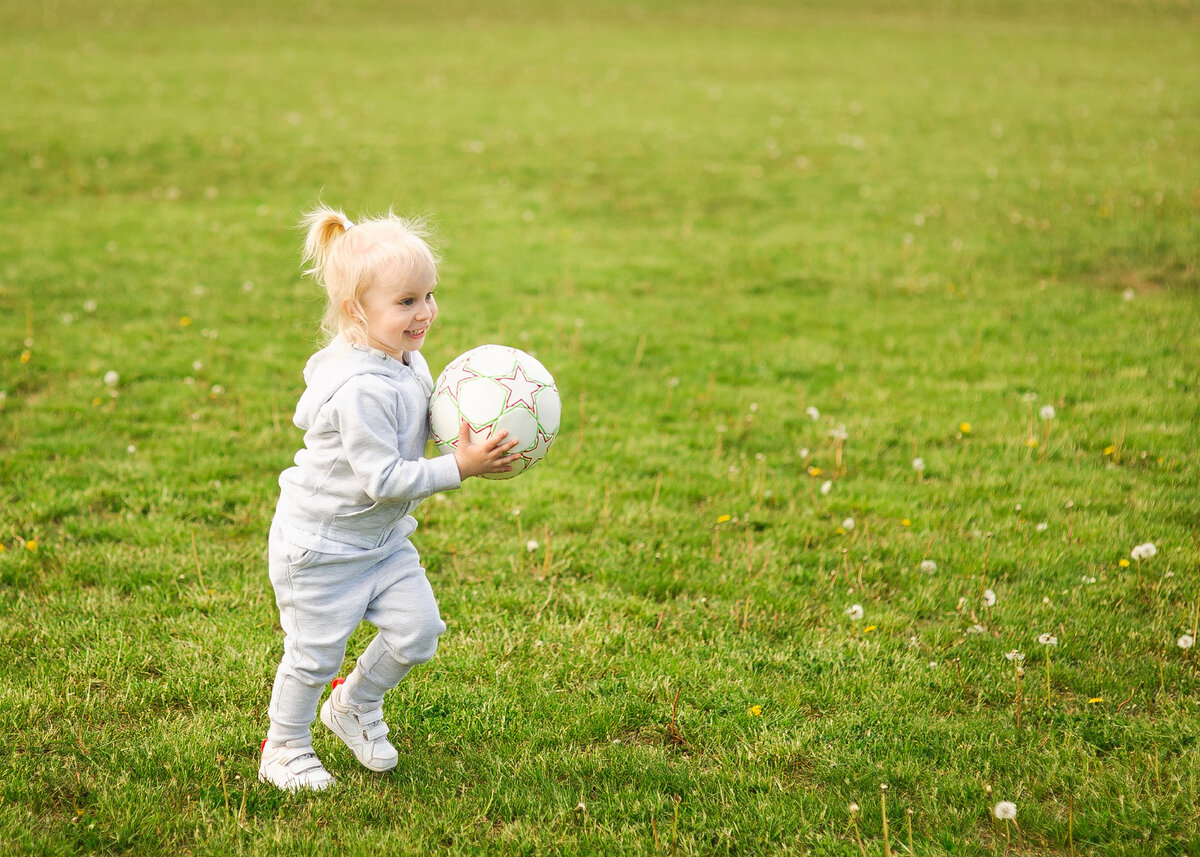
(918, 464)
(1042, 527)
(989, 598)
(724, 519)
(1005, 810)
(1047, 412)
(1095, 699)
(1186, 641)
(826, 487)
(1048, 641)
(964, 428)
(905, 522)
(31, 545)
(111, 378)
(848, 524)
(185, 321)
(813, 413)
(855, 612)
(531, 545)
(1144, 551)
(1124, 563)
(928, 566)
(755, 711)
(839, 433)
(1014, 655)
(26, 356)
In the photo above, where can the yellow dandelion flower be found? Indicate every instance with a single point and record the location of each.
(905, 522)
(869, 629)
(185, 321)
(1031, 442)
(97, 402)
(2, 548)
(724, 518)
(814, 471)
(31, 545)
(965, 428)
(1095, 699)
(1109, 450)
(755, 711)
(26, 356)
(1124, 563)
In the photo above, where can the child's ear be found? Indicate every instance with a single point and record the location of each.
(353, 309)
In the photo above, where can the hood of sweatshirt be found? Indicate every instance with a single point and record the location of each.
(337, 363)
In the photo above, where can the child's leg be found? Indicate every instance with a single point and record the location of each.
(321, 600)
(406, 613)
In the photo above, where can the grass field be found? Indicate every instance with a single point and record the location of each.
(926, 222)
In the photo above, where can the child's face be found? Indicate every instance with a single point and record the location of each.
(398, 315)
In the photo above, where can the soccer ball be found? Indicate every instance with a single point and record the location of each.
(496, 388)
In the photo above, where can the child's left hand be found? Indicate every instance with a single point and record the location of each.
(485, 456)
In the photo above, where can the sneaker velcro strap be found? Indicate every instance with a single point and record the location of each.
(301, 760)
(373, 726)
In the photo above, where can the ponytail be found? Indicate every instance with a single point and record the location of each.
(323, 226)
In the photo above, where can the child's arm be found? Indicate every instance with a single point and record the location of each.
(486, 456)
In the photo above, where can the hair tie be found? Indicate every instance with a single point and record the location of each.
(347, 223)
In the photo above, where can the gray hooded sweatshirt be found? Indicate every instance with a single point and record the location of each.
(362, 470)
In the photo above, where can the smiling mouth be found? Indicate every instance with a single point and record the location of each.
(416, 333)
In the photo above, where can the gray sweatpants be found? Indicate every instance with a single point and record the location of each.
(322, 599)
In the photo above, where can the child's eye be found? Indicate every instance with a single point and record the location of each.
(406, 302)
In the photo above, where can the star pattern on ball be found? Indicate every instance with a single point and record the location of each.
(465, 373)
(521, 388)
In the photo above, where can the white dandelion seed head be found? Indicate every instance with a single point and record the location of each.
(1144, 551)
(928, 566)
(848, 524)
(1047, 640)
(855, 612)
(826, 487)
(919, 464)
(1042, 527)
(1047, 412)
(531, 545)
(1005, 810)
(112, 378)
(1014, 655)
(812, 413)
(989, 598)
(839, 433)
(1186, 641)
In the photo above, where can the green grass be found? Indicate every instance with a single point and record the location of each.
(704, 218)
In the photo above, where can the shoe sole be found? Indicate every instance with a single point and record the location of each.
(327, 717)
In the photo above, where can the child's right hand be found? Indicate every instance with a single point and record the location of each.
(486, 456)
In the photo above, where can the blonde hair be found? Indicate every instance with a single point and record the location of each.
(347, 258)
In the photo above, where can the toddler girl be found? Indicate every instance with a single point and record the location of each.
(339, 549)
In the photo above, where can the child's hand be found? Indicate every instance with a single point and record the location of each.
(486, 456)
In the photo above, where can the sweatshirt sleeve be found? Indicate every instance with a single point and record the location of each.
(373, 424)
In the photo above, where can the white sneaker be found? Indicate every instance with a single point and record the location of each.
(293, 768)
(363, 731)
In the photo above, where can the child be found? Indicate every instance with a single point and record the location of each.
(339, 549)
